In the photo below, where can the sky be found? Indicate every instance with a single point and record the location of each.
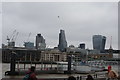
(80, 20)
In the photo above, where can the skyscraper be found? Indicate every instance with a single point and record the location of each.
(40, 42)
(62, 41)
(99, 42)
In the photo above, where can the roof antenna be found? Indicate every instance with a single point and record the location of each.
(60, 23)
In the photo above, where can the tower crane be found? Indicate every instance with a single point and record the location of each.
(11, 40)
(12, 35)
(60, 22)
(28, 44)
(28, 37)
(16, 36)
(8, 39)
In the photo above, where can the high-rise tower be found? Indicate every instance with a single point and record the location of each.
(99, 42)
(40, 42)
(62, 41)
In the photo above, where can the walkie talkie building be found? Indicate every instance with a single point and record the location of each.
(99, 42)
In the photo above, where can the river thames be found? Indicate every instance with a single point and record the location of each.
(6, 67)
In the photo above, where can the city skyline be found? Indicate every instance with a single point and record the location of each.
(79, 20)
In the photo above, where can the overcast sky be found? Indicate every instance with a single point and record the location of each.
(79, 20)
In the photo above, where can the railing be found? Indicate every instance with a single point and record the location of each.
(40, 66)
(77, 78)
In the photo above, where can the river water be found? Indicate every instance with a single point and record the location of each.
(6, 67)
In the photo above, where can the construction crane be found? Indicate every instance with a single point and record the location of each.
(16, 36)
(60, 23)
(12, 35)
(11, 40)
(28, 44)
(8, 39)
(28, 37)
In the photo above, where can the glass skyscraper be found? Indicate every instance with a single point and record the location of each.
(99, 42)
(62, 41)
(40, 42)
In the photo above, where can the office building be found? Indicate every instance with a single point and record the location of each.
(40, 42)
(29, 45)
(62, 41)
(99, 42)
(53, 56)
(11, 44)
(82, 46)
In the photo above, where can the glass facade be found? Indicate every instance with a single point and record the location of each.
(62, 41)
(99, 42)
(40, 42)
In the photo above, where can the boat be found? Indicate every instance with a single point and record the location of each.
(82, 67)
(97, 65)
(75, 67)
